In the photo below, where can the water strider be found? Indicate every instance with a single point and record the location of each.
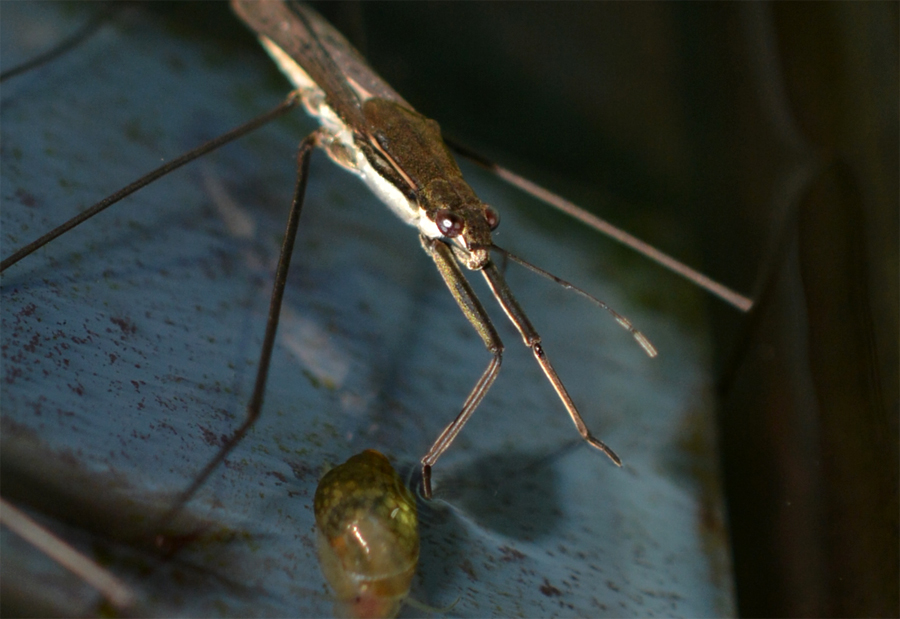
(185, 388)
(370, 130)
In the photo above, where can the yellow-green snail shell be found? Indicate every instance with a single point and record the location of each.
(368, 536)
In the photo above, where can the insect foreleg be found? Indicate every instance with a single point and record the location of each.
(474, 312)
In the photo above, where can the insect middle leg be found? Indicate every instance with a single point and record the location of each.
(254, 407)
(532, 339)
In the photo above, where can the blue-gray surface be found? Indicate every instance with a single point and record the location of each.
(129, 349)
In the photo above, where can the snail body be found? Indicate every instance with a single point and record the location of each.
(368, 537)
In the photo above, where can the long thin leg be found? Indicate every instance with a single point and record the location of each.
(533, 340)
(91, 572)
(80, 36)
(474, 312)
(291, 102)
(265, 354)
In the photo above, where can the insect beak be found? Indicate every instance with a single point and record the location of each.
(474, 258)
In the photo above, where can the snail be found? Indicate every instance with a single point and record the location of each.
(368, 536)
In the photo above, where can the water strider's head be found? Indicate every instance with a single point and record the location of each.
(407, 152)
(466, 228)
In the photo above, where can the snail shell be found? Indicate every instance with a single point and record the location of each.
(368, 536)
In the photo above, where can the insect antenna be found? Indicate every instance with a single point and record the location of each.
(641, 339)
(721, 291)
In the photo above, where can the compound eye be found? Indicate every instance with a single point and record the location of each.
(492, 217)
(449, 223)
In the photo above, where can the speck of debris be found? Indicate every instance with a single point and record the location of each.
(510, 554)
(467, 567)
(279, 476)
(25, 198)
(210, 438)
(28, 310)
(125, 325)
(300, 469)
(549, 590)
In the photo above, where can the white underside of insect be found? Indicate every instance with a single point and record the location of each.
(340, 146)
